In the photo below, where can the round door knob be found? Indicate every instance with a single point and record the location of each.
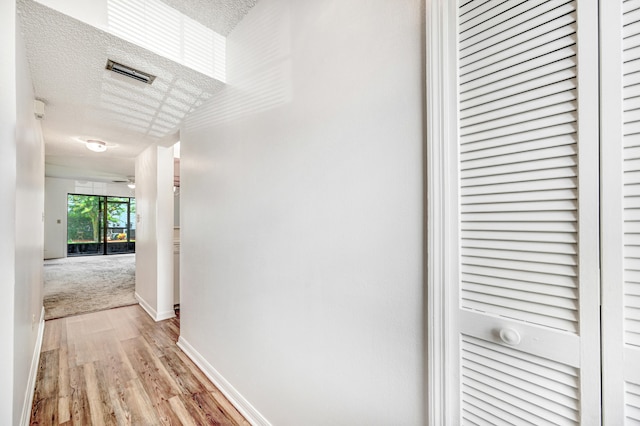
(510, 336)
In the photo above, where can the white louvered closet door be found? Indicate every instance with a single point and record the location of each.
(620, 53)
(527, 302)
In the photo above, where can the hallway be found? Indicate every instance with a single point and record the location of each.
(120, 367)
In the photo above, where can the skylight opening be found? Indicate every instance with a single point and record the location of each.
(163, 30)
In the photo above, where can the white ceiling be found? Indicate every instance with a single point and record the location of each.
(67, 59)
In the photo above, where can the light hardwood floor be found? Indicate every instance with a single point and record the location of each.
(119, 367)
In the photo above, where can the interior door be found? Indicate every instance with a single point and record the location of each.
(526, 302)
(620, 210)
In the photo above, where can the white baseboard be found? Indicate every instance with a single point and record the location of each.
(242, 405)
(33, 374)
(157, 316)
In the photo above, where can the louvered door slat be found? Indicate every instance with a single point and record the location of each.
(549, 153)
(633, 153)
(558, 372)
(517, 95)
(519, 216)
(631, 66)
(632, 277)
(560, 302)
(632, 53)
(558, 237)
(516, 197)
(551, 116)
(484, 13)
(631, 16)
(630, 5)
(542, 148)
(553, 206)
(632, 115)
(490, 412)
(508, 381)
(632, 91)
(520, 186)
(533, 105)
(632, 128)
(631, 43)
(506, 306)
(546, 69)
(502, 125)
(631, 241)
(633, 251)
(518, 227)
(518, 54)
(634, 287)
(631, 29)
(523, 247)
(631, 166)
(516, 169)
(510, 67)
(521, 266)
(632, 402)
(545, 143)
(519, 275)
(535, 257)
(546, 290)
(631, 205)
(468, 6)
(534, 206)
(552, 18)
(631, 178)
(523, 12)
(553, 22)
(631, 141)
(534, 389)
(504, 392)
(632, 78)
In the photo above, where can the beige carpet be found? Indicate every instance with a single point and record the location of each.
(77, 285)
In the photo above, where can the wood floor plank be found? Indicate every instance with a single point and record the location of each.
(93, 395)
(51, 339)
(181, 411)
(119, 367)
(203, 404)
(80, 410)
(142, 411)
(193, 368)
(64, 412)
(120, 408)
(44, 412)
(48, 375)
(187, 381)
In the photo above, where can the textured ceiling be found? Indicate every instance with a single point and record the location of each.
(219, 15)
(84, 101)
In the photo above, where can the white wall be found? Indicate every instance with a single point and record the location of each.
(302, 215)
(55, 209)
(29, 237)
(7, 203)
(21, 201)
(154, 231)
(93, 13)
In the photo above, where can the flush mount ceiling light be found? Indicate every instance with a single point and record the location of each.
(130, 72)
(96, 146)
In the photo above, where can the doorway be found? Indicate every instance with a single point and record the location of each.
(100, 225)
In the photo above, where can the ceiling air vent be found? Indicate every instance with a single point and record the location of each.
(130, 72)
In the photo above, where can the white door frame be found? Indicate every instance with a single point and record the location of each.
(442, 191)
